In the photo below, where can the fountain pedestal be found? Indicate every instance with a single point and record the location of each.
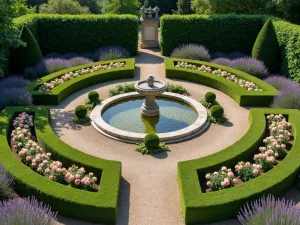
(150, 88)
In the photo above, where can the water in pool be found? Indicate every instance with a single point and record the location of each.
(126, 115)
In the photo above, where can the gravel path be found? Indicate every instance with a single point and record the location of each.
(149, 189)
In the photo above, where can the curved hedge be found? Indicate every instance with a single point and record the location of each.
(60, 92)
(239, 94)
(98, 206)
(201, 207)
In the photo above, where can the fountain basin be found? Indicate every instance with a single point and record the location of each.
(198, 126)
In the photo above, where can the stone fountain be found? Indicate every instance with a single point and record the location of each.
(150, 88)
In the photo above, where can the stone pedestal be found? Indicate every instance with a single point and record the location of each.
(150, 34)
(150, 107)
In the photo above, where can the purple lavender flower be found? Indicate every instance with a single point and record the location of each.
(222, 61)
(236, 55)
(15, 97)
(52, 65)
(110, 53)
(288, 98)
(6, 181)
(191, 51)
(26, 211)
(249, 65)
(13, 81)
(268, 211)
(281, 82)
(79, 61)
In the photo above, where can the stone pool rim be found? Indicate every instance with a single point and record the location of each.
(194, 129)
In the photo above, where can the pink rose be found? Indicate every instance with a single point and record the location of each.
(77, 176)
(235, 181)
(94, 179)
(50, 177)
(91, 174)
(28, 158)
(77, 181)
(230, 174)
(207, 176)
(255, 171)
(87, 182)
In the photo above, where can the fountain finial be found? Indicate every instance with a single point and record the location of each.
(150, 80)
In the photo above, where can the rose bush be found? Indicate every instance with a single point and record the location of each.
(48, 86)
(249, 86)
(40, 161)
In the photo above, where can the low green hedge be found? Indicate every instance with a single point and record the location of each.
(201, 207)
(98, 206)
(59, 93)
(239, 94)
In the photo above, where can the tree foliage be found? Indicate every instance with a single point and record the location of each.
(121, 7)
(184, 6)
(63, 7)
(165, 6)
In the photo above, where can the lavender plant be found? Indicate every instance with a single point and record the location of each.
(15, 97)
(110, 53)
(252, 66)
(26, 211)
(288, 98)
(6, 182)
(51, 65)
(191, 51)
(13, 81)
(222, 61)
(270, 211)
(77, 61)
(281, 82)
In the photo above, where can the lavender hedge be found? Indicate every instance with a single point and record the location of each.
(6, 181)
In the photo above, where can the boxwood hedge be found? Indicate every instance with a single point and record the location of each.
(60, 92)
(98, 206)
(82, 33)
(229, 33)
(239, 94)
(201, 207)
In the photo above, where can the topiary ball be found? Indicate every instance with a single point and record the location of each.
(93, 96)
(151, 141)
(217, 111)
(210, 97)
(81, 111)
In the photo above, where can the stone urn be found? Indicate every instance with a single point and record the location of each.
(150, 80)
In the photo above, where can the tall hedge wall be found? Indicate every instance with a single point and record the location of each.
(216, 32)
(231, 33)
(81, 33)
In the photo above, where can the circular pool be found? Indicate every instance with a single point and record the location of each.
(120, 117)
(126, 115)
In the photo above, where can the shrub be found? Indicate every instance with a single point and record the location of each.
(266, 47)
(178, 89)
(26, 56)
(51, 65)
(26, 211)
(81, 116)
(248, 171)
(80, 111)
(281, 82)
(121, 89)
(222, 61)
(162, 147)
(111, 53)
(249, 65)
(221, 179)
(77, 61)
(15, 97)
(210, 97)
(6, 182)
(13, 81)
(151, 141)
(269, 210)
(93, 96)
(191, 51)
(63, 7)
(287, 99)
(217, 111)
